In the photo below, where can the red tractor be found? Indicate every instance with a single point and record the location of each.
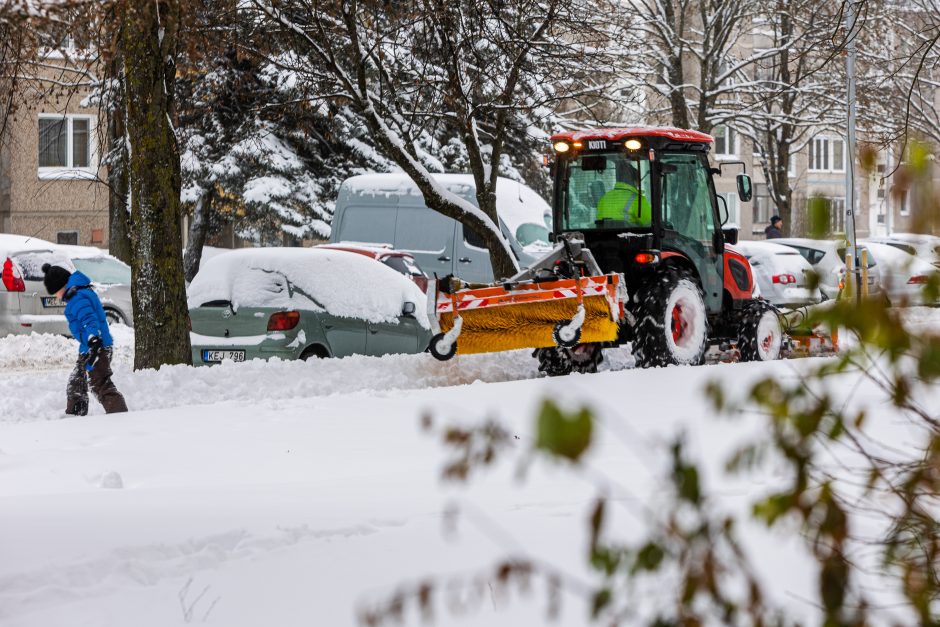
(635, 208)
(643, 202)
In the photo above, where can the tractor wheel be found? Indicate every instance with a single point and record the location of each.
(557, 362)
(760, 336)
(672, 327)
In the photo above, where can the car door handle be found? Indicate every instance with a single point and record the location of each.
(443, 258)
(465, 260)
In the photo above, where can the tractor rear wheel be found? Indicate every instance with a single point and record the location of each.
(672, 325)
(760, 336)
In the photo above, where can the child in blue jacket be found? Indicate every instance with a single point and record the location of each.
(89, 326)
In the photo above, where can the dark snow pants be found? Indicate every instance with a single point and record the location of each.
(101, 384)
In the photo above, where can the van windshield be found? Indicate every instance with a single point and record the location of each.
(606, 191)
(532, 233)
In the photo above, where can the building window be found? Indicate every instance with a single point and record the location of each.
(734, 214)
(65, 143)
(904, 209)
(69, 238)
(725, 141)
(827, 154)
(762, 207)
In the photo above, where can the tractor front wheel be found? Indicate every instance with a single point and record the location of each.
(672, 325)
(760, 336)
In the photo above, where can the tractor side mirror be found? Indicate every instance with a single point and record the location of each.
(744, 188)
(731, 235)
(408, 309)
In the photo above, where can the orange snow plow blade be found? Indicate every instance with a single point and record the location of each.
(527, 314)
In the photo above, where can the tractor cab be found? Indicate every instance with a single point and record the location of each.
(641, 195)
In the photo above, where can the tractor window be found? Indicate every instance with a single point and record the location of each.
(606, 190)
(687, 204)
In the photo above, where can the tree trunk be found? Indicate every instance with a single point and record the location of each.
(119, 236)
(198, 230)
(148, 46)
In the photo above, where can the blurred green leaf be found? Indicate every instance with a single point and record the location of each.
(563, 434)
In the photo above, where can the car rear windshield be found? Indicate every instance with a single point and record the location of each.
(871, 259)
(31, 263)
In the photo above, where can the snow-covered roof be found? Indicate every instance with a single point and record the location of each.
(343, 283)
(516, 203)
(10, 243)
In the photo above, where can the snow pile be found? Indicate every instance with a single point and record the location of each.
(344, 284)
(38, 351)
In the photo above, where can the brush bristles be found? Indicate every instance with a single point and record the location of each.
(529, 325)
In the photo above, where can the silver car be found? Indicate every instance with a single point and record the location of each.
(828, 260)
(25, 307)
(785, 278)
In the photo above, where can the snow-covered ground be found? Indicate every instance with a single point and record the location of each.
(297, 493)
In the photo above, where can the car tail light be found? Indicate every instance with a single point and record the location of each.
(283, 320)
(918, 279)
(784, 279)
(12, 280)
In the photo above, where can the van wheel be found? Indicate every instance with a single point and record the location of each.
(314, 352)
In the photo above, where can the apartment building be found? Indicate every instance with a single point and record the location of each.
(52, 181)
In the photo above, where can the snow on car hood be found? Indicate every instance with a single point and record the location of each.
(345, 284)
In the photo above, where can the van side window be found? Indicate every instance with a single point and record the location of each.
(424, 231)
(368, 224)
(472, 238)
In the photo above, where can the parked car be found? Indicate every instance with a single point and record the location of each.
(828, 260)
(398, 260)
(389, 209)
(25, 307)
(785, 278)
(924, 247)
(902, 276)
(298, 303)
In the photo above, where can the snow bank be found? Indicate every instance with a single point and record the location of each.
(345, 284)
(40, 393)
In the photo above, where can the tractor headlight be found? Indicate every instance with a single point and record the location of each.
(633, 144)
(562, 147)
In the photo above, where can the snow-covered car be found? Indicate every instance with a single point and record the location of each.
(785, 278)
(924, 247)
(25, 307)
(828, 260)
(398, 260)
(389, 209)
(902, 276)
(298, 303)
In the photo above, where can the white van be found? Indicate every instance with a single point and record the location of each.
(389, 209)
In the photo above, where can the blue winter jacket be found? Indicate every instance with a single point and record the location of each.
(84, 312)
